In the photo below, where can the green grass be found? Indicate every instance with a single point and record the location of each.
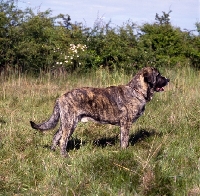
(162, 159)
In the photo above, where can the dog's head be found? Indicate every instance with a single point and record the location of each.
(156, 82)
(147, 81)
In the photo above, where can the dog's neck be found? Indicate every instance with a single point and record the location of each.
(143, 95)
(139, 85)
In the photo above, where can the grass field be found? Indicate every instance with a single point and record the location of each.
(163, 157)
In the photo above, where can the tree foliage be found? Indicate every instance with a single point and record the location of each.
(32, 42)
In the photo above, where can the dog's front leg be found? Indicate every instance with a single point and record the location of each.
(124, 134)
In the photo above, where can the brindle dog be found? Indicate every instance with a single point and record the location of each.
(117, 105)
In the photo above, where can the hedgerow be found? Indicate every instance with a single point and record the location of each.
(32, 42)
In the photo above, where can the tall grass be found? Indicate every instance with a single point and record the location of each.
(162, 159)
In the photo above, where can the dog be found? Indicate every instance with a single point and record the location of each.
(117, 105)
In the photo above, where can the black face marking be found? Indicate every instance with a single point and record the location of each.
(161, 82)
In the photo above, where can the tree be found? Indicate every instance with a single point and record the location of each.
(160, 43)
(10, 19)
(164, 19)
(198, 27)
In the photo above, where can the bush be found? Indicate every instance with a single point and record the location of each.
(38, 42)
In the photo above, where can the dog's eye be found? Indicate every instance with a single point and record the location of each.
(158, 75)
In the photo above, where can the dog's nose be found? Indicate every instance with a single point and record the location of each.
(167, 79)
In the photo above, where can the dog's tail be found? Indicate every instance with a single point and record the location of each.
(51, 123)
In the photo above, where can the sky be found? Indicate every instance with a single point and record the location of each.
(185, 13)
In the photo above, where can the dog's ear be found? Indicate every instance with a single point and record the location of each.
(149, 76)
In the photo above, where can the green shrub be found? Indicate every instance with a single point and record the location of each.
(39, 42)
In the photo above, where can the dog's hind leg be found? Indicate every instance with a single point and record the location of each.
(64, 140)
(67, 131)
(56, 138)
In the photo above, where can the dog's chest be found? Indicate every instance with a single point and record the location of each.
(137, 113)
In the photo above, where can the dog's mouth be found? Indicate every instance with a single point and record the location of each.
(162, 82)
(159, 89)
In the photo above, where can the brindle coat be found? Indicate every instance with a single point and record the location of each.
(117, 105)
